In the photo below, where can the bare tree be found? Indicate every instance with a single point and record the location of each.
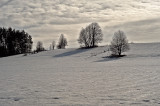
(96, 34)
(119, 43)
(62, 42)
(52, 46)
(39, 46)
(83, 38)
(91, 35)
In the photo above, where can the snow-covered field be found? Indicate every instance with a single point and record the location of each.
(74, 77)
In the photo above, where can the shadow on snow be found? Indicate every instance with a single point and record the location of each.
(69, 53)
(110, 58)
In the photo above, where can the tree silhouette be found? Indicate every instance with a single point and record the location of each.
(62, 42)
(39, 46)
(14, 42)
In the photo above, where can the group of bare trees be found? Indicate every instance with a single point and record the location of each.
(92, 35)
(61, 44)
(89, 37)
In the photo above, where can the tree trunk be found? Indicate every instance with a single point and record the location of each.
(93, 37)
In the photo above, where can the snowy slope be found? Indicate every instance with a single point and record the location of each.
(82, 77)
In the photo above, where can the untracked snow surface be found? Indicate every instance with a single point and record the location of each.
(82, 77)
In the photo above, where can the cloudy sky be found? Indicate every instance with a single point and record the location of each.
(45, 20)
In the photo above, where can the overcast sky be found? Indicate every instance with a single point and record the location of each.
(45, 20)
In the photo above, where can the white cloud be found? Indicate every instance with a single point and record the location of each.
(46, 18)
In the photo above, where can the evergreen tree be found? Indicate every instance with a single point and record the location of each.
(14, 42)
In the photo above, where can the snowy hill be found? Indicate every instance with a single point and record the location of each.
(82, 77)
